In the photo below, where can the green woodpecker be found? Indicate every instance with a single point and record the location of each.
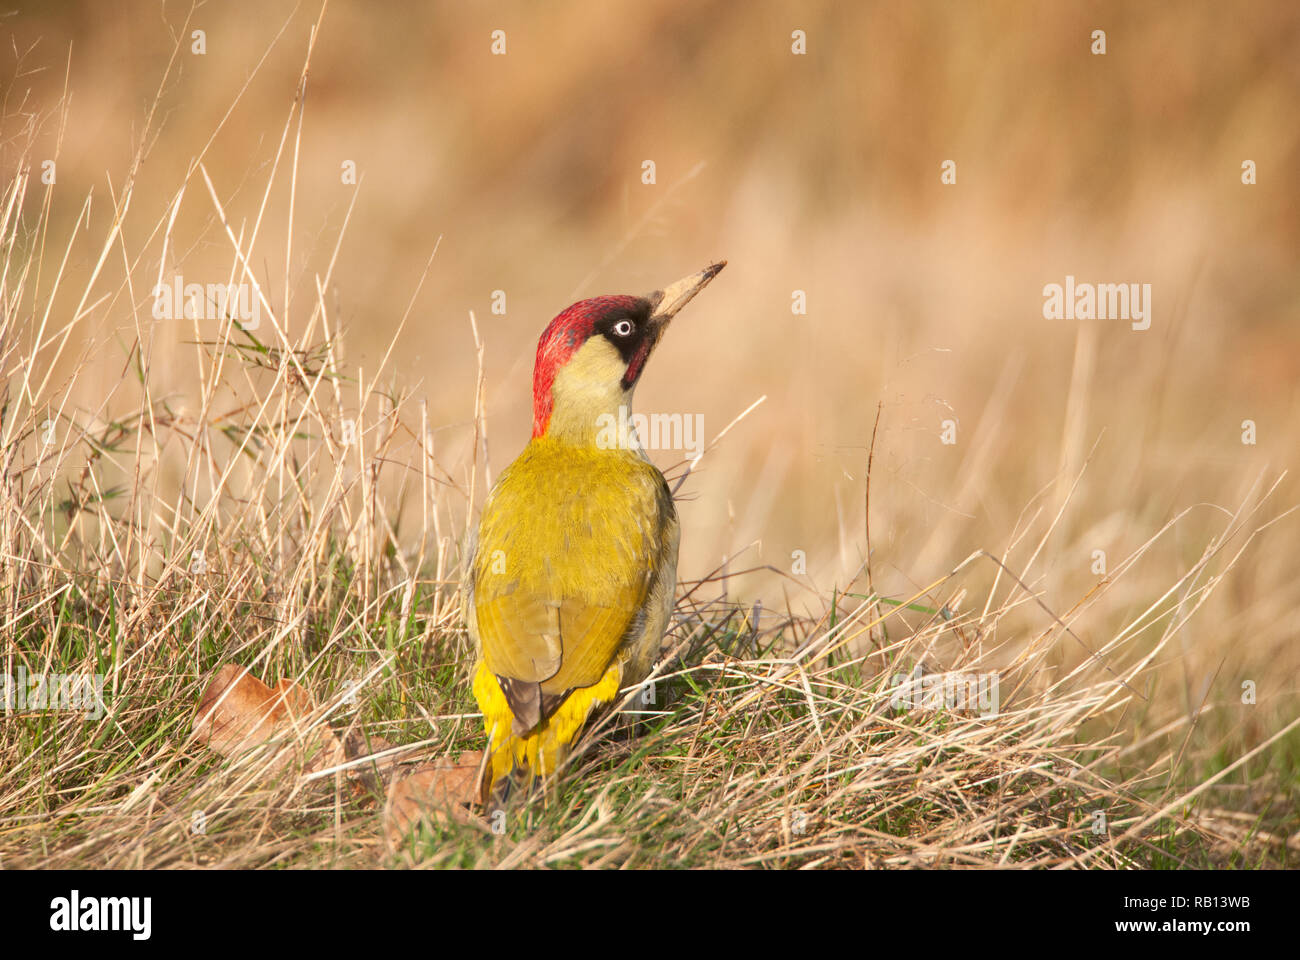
(570, 580)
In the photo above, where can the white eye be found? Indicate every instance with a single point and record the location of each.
(623, 328)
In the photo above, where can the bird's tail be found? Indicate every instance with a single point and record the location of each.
(515, 760)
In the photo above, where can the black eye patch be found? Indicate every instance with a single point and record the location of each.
(614, 327)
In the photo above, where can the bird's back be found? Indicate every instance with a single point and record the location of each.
(571, 582)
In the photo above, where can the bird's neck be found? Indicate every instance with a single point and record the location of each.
(586, 401)
(601, 420)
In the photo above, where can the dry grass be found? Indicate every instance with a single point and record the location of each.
(152, 537)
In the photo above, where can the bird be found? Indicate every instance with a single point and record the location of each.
(571, 572)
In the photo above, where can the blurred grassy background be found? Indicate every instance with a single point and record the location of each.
(821, 173)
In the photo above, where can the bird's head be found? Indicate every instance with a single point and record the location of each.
(591, 356)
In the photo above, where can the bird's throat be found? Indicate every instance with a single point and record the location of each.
(586, 396)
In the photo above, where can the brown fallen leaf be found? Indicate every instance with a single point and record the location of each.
(441, 791)
(237, 712)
